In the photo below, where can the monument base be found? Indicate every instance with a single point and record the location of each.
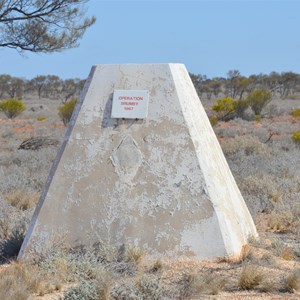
(157, 180)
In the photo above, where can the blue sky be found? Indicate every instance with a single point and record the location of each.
(209, 37)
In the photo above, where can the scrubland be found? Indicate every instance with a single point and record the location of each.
(265, 162)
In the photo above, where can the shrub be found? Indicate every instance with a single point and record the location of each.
(229, 108)
(292, 282)
(283, 221)
(40, 119)
(151, 289)
(65, 111)
(21, 281)
(86, 290)
(225, 108)
(258, 99)
(257, 118)
(22, 199)
(157, 266)
(296, 113)
(240, 108)
(213, 120)
(296, 136)
(13, 225)
(12, 107)
(251, 277)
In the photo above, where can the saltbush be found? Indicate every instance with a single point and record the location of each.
(65, 111)
(86, 290)
(12, 107)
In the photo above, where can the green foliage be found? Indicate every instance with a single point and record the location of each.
(43, 26)
(296, 137)
(225, 108)
(229, 108)
(224, 105)
(257, 118)
(12, 107)
(296, 113)
(65, 111)
(258, 99)
(213, 120)
(40, 119)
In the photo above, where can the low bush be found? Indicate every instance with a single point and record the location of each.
(282, 221)
(13, 225)
(250, 278)
(22, 199)
(258, 99)
(40, 119)
(213, 120)
(86, 290)
(21, 281)
(292, 282)
(65, 111)
(296, 113)
(12, 107)
(296, 137)
(229, 108)
(257, 118)
(225, 108)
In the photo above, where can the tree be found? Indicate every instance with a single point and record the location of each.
(71, 88)
(42, 25)
(15, 87)
(39, 83)
(4, 84)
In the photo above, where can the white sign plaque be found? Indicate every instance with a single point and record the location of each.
(130, 104)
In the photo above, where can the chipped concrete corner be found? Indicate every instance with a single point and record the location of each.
(160, 183)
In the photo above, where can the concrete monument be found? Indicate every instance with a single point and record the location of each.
(141, 165)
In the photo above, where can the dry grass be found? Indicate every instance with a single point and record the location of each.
(20, 281)
(134, 254)
(251, 277)
(292, 282)
(264, 167)
(157, 266)
(22, 199)
(283, 221)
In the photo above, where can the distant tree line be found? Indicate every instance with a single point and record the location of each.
(44, 86)
(237, 86)
(234, 85)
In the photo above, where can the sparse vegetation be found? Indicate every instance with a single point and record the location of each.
(261, 154)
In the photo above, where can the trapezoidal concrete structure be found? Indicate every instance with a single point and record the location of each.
(159, 181)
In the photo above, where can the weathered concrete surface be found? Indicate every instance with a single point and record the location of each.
(161, 183)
